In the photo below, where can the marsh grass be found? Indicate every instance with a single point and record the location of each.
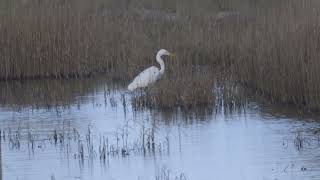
(165, 173)
(122, 142)
(255, 44)
(187, 92)
(58, 94)
(282, 63)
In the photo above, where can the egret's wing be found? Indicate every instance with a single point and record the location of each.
(145, 78)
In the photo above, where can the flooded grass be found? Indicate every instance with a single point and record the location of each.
(105, 133)
(258, 45)
(165, 173)
(122, 142)
(300, 141)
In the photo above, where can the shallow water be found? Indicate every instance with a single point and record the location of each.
(44, 124)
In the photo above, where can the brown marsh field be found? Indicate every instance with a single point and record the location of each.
(217, 113)
(270, 47)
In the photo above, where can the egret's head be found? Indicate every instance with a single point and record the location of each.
(162, 52)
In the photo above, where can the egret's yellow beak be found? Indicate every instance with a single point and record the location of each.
(172, 55)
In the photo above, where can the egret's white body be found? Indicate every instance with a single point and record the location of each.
(151, 74)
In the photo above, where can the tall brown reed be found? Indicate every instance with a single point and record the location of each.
(270, 46)
(279, 54)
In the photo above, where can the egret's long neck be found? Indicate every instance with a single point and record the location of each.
(160, 61)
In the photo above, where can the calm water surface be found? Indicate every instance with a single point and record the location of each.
(56, 130)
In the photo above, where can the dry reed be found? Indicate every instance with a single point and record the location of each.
(258, 44)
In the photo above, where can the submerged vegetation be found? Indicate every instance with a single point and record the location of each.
(269, 46)
(122, 142)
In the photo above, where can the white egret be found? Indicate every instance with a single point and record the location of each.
(151, 74)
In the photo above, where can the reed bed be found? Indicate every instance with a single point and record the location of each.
(187, 92)
(271, 47)
(280, 58)
(49, 94)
